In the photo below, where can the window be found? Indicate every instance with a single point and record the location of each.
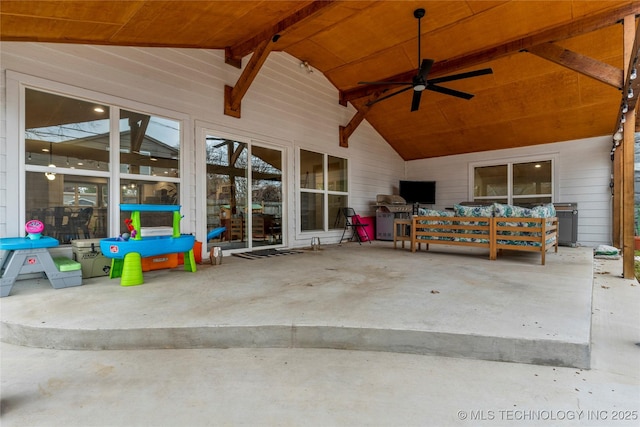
(70, 206)
(70, 170)
(244, 192)
(65, 132)
(323, 190)
(149, 164)
(135, 191)
(66, 144)
(80, 193)
(526, 183)
(149, 145)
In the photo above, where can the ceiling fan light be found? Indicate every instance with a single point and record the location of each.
(50, 175)
(419, 87)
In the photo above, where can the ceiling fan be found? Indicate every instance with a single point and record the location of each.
(420, 81)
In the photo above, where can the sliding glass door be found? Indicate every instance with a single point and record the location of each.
(244, 194)
(266, 196)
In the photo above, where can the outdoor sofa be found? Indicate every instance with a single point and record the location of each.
(495, 227)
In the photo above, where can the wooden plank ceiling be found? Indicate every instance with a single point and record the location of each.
(538, 93)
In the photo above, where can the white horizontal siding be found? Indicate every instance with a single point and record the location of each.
(583, 170)
(301, 110)
(284, 104)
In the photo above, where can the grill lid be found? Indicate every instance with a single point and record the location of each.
(392, 203)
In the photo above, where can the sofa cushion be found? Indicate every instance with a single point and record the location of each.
(434, 212)
(545, 211)
(511, 211)
(474, 211)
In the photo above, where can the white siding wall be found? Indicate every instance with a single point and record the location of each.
(582, 174)
(284, 105)
(291, 108)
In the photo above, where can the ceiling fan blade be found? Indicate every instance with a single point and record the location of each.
(415, 102)
(370, 103)
(447, 91)
(425, 68)
(384, 83)
(461, 76)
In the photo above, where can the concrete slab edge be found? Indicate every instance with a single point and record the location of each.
(501, 349)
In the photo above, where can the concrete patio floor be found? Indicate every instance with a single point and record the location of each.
(368, 297)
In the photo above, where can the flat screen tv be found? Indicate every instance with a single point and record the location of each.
(422, 192)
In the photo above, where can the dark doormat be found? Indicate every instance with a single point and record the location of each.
(265, 253)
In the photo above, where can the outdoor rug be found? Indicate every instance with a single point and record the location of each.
(265, 253)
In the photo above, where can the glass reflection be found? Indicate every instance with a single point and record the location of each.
(65, 132)
(71, 207)
(149, 145)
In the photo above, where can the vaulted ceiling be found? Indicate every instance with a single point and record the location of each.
(558, 66)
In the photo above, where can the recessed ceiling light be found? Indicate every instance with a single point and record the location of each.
(538, 165)
(98, 110)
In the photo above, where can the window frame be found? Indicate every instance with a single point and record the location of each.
(326, 226)
(510, 162)
(16, 85)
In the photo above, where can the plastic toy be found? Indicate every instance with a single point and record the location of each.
(26, 255)
(216, 232)
(130, 227)
(34, 229)
(126, 256)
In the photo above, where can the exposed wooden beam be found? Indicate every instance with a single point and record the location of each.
(590, 67)
(631, 45)
(234, 155)
(554, 34)
(628, 217)
(616, 200)
(241, 172)
(628, 37)
(233, 95)
(138, 124)
(233, 54)
(346, 131)
(633, 64)
(100, 155)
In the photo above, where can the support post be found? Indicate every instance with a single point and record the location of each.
(631, 47)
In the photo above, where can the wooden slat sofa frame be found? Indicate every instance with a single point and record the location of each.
(495, 234)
